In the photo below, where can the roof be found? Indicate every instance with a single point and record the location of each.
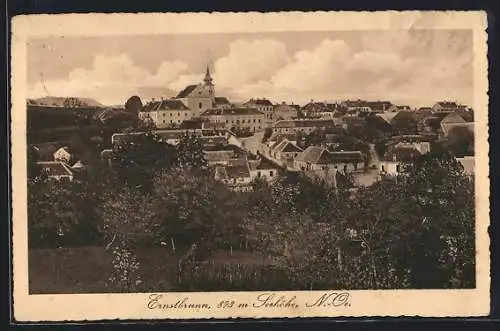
(379, 105)
(319, 155)
(447, 104)
(303, 123)
(186, 91)
(107, 153)
(259, 102)
(168, 104)
(288, 147)
(78, 165)
(238, 170)
(453, 118)
(221, 101)
(54, 168)
(231, 111)
(265, 163)
(401, 154)
(387, 116)
(447, 127)
(310, 154)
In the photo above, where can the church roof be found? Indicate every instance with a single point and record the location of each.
(187, 91)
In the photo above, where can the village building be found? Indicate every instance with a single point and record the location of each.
(398, 108)
(250, 118)
(284, 111)
(56, 170)
(264, 106)
(355, 107)
(446, 128)
(315, 158)
(392, 161)
(264, 169)
(235, 175)
(285, 151)
(301, 125)
(321, 109)
(166, 113)
(223, 154)
(448, 106)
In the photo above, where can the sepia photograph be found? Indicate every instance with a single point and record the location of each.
(328, 161)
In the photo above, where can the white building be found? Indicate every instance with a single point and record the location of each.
(166, 113)
(199, 97)
(391, 163)
(63, 154)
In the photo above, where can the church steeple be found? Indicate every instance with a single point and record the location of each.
(209, 83)
(208, 78)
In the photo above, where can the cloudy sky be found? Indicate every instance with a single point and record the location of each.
(406, 67)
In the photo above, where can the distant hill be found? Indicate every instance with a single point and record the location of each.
(66, 102)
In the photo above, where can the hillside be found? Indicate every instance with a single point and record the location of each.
(73, 102)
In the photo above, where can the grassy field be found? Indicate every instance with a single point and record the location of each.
(87, 269)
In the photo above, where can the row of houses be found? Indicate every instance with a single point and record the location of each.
(57, 163)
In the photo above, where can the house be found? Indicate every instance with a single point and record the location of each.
(405, 122)
(379, 106)
(453, 117)
(199, 97)
(63, 154)
(250, 118)
(396, 108)
(235, 175)
(315, 158)
(316, 109)
(301, 125)
(423, 147)
(165, 113)
(284, 111)
(448, 106)
(285, 151)
(263, 105)
(446, 128)
(393, 159)
(264, 169)
(56, 170)
(354, 107)
(222, 154)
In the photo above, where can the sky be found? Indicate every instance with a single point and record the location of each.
(410, 67)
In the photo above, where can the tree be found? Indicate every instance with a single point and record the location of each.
(134, 105)
(460, 141)
(189, 153)
(267, 134)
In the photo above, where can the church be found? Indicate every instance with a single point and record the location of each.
(188, 104)
(199, 97)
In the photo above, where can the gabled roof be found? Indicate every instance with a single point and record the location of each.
(387, 116)
(168, 104)
(265, 163)
(55, 168)
(310, 154)
(401, 154)
(447, 104)
(186, 91)
(319, 155)
(231, 111)
(453, 118)
(447, 127)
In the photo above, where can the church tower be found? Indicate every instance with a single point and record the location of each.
(209, 83)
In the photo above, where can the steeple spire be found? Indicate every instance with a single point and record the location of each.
(208, 78)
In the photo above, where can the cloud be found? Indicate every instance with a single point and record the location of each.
(112, 80)
(416, 67)
(250, 61)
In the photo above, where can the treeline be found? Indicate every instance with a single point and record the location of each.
(412, 231)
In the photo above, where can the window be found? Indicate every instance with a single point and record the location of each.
(200, 105)
(237, 121)
(355, 166)
(178, 114)
(254, 120)
(259, 174)
(163, 121)
(259, 120)
(398, 168)
(170, 114)
(271, 173)
(345, 168)
(164, 114)
(227, 121)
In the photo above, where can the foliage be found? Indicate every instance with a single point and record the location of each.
(241, 132)
(267, 134)
(190, 155)
(126, 276)
(460, 141)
